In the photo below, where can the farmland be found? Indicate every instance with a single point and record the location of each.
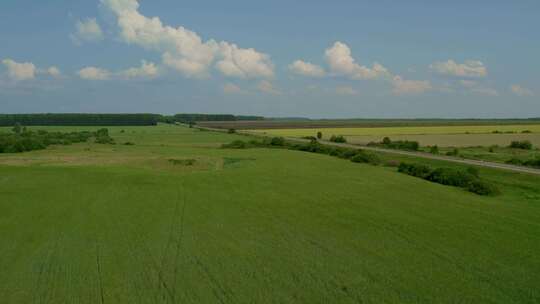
(174, 218)
(444, 136)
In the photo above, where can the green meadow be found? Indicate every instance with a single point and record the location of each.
(174, 218)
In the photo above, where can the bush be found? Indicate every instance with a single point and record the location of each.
(237, 144)
(366, 157)
(231, 131)
(277, 141)
(434, 150)
(416, 170)
(338, 139)
(319, 135)
(527, 132)
(23, 140)
(482, 188)
(397, 145)
(523, 145)
(466, 179)
(454, 152)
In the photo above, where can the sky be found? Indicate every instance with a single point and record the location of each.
(304, 58)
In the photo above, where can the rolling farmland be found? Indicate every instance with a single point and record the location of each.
(92, 223)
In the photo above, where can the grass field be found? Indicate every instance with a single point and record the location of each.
(92, 223)
(444, 136)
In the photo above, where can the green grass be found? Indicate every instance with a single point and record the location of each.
(88, 222)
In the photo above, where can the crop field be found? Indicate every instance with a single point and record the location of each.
(361, 123)
(174, 218)
(444, 136)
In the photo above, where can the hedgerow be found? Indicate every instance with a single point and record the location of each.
(467, 179)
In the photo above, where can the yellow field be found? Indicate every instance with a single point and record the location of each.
(448, 136)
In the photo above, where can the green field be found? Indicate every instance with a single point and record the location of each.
(91, 223)
(444, 136)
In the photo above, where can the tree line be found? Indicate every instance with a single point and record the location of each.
(83, 119)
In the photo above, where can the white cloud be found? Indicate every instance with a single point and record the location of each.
(306, 69)
(183, 49)
(347, 91)
(230, 88)
(267, 87)
(146, 70)
(342, 63)
(521, 91)
(93, 73)
(87, 31)
(404, 87)
(244, 63)
(20, 71)
(471, 68)
(54, 72)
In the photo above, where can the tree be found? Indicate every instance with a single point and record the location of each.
(319, 135)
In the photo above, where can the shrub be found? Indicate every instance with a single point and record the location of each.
(482, 188)
(348, 153)
(231, 131)
(416, 170)
(237, 144)
(338, 139)
(466, 179)
(473, 171)
(451, 177)
(515, 161)
(397, 145)
(526, 132)
(312, 138)
(434, 150)
(182, 162)
(277, 141)
(319, 135)
(524, 145)
(366, 157)
(454, 152)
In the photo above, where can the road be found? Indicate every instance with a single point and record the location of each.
(479, 163)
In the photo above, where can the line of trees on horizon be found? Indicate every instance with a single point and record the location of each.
(86, 119)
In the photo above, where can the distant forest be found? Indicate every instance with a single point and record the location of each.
(113, 119)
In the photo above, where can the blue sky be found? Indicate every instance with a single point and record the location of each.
(274, 58)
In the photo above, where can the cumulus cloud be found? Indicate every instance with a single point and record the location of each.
(346, 91)
(184, 50)
(146, 70)
(230, 88)
(521, 91)
(267, 87)
(306, 69)
(470, 68)
(404, 87)
(341, 62)
(87, 31)
(20, 71)
(93, 73)
(54, 72)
